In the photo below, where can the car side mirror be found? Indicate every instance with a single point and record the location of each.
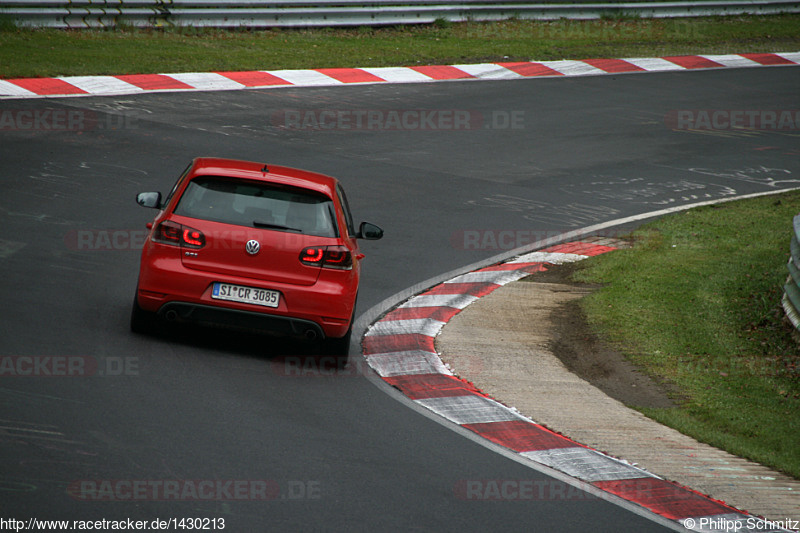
(370, 232)
(149, 199)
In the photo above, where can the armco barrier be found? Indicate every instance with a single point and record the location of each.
(308, 13)
(791, 290)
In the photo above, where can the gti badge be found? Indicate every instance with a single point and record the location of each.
(252, 247)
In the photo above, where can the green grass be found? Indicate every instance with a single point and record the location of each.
(33, 53)
(696, 304)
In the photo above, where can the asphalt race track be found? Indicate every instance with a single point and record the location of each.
(98, 423)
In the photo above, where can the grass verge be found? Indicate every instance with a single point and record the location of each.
(696, 304)
(36, 53)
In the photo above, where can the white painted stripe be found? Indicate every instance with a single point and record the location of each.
(305, 77)
(207, 81)
(489, 71)
(573, 68)
(586, 464)
(654, 64)
(470, 409)
(733, 60)
(102, 84)
(422, 326)
(310, 77)
(10, 89)
(456, 301)
(498, 277)
(398, 74)
(548, 257)
(407, 363)
(791, 56)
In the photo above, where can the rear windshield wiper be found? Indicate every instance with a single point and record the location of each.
(269, 225)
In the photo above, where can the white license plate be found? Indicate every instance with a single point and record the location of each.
(249, 295)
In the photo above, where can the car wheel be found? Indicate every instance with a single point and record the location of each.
(141, 321)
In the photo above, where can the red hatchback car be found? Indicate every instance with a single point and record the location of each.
(245, 245)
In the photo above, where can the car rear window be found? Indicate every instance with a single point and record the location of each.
(264, 205)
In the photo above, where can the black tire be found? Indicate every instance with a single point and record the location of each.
(141, 321)
(340, 346)
(338, 349)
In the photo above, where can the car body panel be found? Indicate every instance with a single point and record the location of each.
(176, 278)
(277, 259)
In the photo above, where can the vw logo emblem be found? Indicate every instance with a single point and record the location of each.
(252, 247)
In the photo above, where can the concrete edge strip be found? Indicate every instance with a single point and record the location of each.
(22, 88)
(399, 347)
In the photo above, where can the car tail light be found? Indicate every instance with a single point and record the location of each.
(193, 238)
(327, 257)
(179, 235)
(312, 256)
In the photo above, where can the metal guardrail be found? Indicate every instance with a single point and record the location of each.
(791, 290)
(319, 13)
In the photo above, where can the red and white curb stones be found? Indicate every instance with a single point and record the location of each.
(400, 349)
(261, 79)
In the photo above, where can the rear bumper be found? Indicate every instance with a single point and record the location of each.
(244, 320)
(168, 288)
